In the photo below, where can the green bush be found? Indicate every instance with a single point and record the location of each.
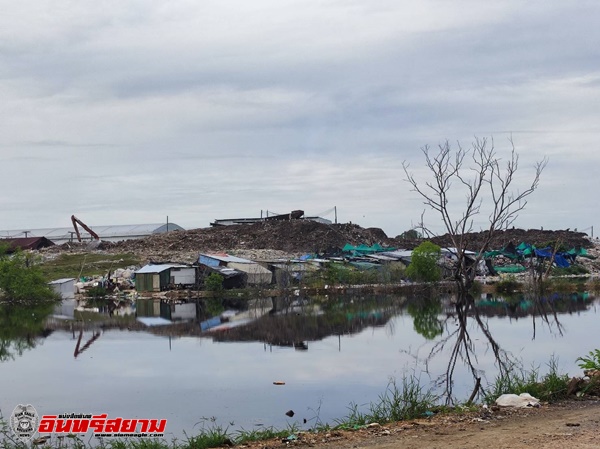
(21, 279)
(576, 270)
(424, 263)
(214, 282)
(411, 234)
(509, 284)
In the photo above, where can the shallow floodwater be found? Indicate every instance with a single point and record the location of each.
(185, 379)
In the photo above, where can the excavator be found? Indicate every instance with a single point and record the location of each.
(76, 221)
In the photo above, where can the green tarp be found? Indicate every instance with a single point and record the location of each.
(510, 269)
(365, 249)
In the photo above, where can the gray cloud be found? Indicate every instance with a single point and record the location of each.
(127, 112)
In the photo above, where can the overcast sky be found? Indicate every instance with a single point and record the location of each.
(129, 111)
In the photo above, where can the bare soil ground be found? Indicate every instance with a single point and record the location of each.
(573, 425)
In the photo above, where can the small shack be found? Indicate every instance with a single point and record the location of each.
(156, 278)
(289, 272)
(64, 287)
(231, 278)
(255, 274)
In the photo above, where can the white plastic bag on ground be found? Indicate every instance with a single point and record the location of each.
(522, 400)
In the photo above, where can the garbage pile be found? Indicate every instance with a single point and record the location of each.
(292, 237)
(536, 237)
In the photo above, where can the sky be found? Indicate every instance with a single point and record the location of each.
(129, 111)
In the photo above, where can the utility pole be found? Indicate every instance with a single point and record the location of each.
(335, 211)
(168, 231)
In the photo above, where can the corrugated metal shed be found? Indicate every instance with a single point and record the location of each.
(65, 287)
(154, 278)
(256, 275)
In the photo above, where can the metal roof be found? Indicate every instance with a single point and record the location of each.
(401, 253)
(153, 320)
(227, 258)
(105, 232)
(159, 268)
(26, 243)
(61, 281)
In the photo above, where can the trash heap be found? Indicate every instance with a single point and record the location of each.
(517, 259)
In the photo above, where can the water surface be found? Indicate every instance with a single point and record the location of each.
(187, 378)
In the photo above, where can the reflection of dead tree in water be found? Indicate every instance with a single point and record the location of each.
(540, 271)
(463, 348)
(541, 307)
(78, 348)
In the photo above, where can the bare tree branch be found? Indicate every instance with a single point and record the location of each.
(485, 182)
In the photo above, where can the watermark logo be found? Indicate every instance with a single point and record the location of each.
(101, 425)
(24, 422)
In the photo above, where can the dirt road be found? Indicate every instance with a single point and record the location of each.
(570, 425)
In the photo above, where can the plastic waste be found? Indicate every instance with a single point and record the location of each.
(520, 401)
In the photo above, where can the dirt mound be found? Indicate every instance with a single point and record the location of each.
(292, 237)
(273, 239)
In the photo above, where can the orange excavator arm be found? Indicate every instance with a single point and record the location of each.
(76, 221)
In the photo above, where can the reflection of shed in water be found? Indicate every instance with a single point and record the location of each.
(296, 330)
(168, 310)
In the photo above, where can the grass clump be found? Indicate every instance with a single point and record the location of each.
(89, 264)
(550, 387)
(592, 361)
(573, 270)
(509, 284)
(397, 403)
(248, 436)
(142, 443)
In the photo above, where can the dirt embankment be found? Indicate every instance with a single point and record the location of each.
(572, 425)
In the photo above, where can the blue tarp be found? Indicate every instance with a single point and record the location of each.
(559, 259)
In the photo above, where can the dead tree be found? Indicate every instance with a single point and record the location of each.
(486, 184)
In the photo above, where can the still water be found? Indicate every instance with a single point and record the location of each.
(328, 356)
